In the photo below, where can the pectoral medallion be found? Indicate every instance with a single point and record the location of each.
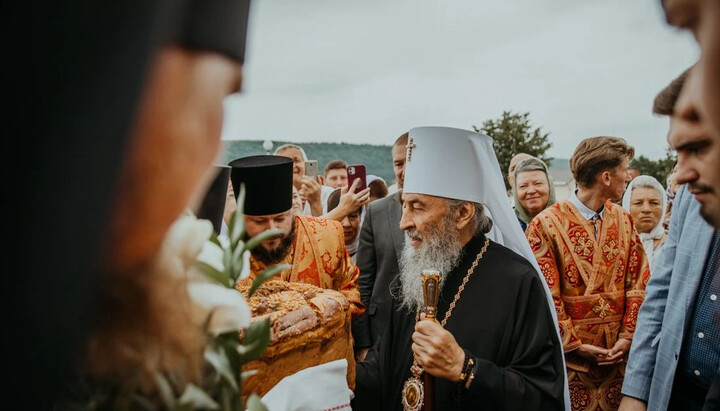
(413, 394)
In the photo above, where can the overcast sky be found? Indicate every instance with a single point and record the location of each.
(365, 71)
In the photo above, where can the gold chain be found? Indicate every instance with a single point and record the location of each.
(465, 280)
(455, 300)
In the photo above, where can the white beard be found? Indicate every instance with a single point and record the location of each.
(439, 250)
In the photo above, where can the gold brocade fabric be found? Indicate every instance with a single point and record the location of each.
(319, 257)
(597, 286)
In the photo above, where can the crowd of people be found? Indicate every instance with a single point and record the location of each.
(605, 300)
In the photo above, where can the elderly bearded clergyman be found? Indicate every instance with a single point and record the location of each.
(493, 345)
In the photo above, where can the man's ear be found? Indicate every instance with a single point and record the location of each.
(606, 177)
(464, 215)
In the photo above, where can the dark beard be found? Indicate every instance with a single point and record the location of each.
(274, 256)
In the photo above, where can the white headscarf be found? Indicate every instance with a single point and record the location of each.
(658, 231)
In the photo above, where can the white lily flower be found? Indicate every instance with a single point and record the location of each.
(183, 242)
(226, 306)
(212, 255)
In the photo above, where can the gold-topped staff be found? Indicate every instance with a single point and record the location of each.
(417, 393)
(431, 289)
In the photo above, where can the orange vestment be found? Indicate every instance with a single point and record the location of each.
(597, 287)
(319, 257)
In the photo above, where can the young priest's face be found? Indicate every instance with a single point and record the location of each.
(255, 225)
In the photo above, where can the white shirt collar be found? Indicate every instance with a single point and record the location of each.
(586, 212)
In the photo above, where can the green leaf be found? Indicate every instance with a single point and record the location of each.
(214, 274)
(237, 222)
(214, 239)
(237, 261)
(257, 338)
(166, 392)
(227, 261)
(267, 274)
(265, 235)
(254, 404)
(197, 398)
(216, 357)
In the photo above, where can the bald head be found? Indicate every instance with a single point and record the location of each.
(513, 163)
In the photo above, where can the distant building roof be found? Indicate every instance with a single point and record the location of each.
(561, 176)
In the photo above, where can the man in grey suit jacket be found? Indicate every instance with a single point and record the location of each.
(669, 298)
(381, 242)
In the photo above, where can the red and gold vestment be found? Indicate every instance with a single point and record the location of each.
(597, 286)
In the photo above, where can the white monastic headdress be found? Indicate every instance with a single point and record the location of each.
(461, 165)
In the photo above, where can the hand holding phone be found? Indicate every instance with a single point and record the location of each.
(357, 172)
(311, 169)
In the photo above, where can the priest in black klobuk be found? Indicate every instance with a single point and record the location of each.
(494, 343)
(314, 247)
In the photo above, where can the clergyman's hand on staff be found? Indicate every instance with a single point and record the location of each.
(436, 350)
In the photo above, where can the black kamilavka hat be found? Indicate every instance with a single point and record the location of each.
(268, 183)
(213, 206)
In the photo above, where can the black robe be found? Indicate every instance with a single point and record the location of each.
(502, 318)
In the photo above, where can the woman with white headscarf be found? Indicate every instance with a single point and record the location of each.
(646, 201)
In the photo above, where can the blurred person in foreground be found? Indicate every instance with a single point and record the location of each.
(143, 320)
(594, 263)
(532, 190)
(645, 200)
(511, 357)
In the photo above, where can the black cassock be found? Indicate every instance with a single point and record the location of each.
(502, 318)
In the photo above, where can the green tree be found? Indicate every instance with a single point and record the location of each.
(659, 169)
(514, 134)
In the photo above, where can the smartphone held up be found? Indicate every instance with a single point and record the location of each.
(357, 172)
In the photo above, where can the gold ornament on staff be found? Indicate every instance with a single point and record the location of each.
(431, 288)
(413, 393)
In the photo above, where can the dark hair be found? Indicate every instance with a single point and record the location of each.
(334, 200)
(335, 165)
(378, 189)
(402, 140)
(664, 103)
(597, 154)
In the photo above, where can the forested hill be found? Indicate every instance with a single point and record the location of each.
(377, 159)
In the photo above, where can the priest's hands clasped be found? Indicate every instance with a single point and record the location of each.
(602, 356)
(436, 350)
